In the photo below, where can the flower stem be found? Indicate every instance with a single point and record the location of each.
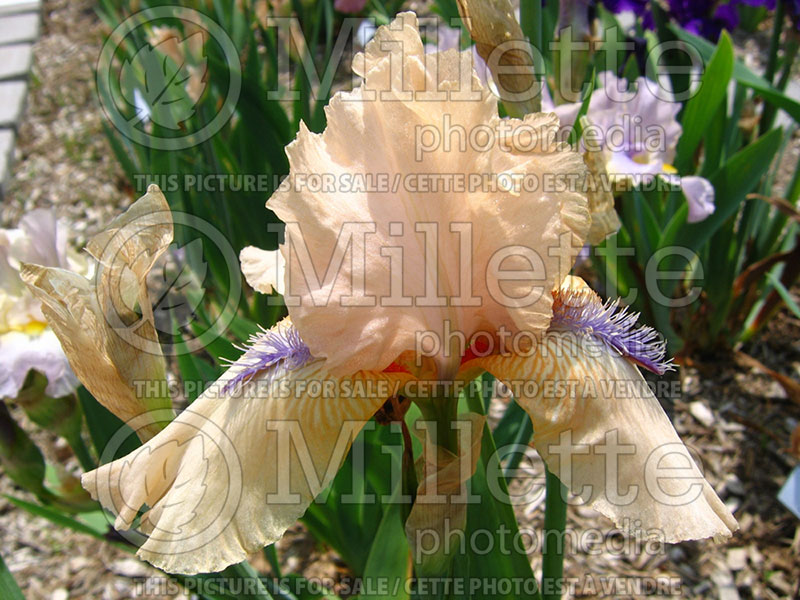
(245, 571)
(81, 452)
(409, 482)
(530, 12)
(442, 411)
(774, 42)
(789, 55)
(437, 520)
(555, 521)
(769, 111)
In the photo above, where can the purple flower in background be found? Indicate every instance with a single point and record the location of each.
(640, 8)
(26, 342)
(704, 17)
(638, 132)
(700, 196)
(350, 6)
(793, 10)
(768, 4)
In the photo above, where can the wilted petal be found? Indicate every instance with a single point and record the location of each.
(113, 351)
(440, 506)
(364, 311)
(601, 430)
(700, 195)
(232, 472)
(127, 249)
(108, 365)
(605, 221)
(500, 42)
(262, 269)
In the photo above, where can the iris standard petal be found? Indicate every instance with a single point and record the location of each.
(262, 269)
(699, 195)
(396, 256)
(40, 239)
(242, 463)
(605, 220)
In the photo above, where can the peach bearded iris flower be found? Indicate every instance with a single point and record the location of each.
(403, 265)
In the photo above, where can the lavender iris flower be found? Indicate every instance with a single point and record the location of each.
(638, 134)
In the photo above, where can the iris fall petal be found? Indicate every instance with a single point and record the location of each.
(232, 472)
(601, 430)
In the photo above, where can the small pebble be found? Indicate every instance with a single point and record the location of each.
(130, 567)
(702, 413)
(734, 485)
(755, 555)
(726, 588)
(737, 559)
(676, 554)
(59, 594)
